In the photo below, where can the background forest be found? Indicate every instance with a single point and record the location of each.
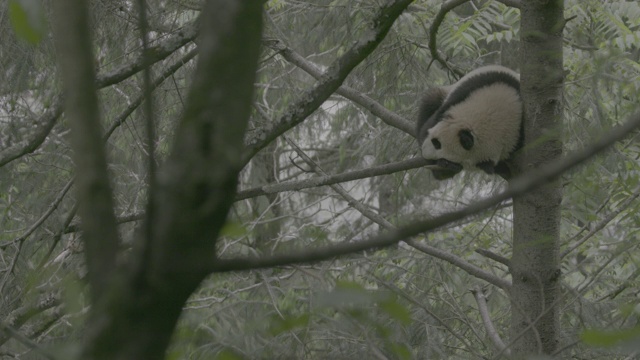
(344, 173)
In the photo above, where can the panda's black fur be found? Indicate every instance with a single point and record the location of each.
(474, 123)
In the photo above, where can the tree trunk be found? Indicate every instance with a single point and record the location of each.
(196, 186)
(535, 264)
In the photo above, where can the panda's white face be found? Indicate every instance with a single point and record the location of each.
(484, 128)
(451, 141)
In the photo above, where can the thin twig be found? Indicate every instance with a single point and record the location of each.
(481, 300)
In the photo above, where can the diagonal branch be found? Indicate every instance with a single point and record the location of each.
(518, 186)
(481, 300)
(323, 180)
(389, 117)
(158, 52)
(330, 80)
(429, 250)
(462, 264)
(154, 54)
(36, 138)
(602, 223)
(433, 32)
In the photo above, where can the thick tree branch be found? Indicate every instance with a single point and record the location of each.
(330, 80)
(357, 97)
(72, 39)
(195, 189)
(518, 186)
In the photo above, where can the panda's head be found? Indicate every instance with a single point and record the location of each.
(449, 140)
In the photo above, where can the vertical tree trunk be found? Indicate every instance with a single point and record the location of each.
(535, 264)
(196, 186)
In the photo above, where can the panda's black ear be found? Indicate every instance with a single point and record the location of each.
(466, 139)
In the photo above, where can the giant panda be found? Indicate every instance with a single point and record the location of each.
(475, 123)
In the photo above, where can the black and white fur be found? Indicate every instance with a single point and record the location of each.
(475, 123)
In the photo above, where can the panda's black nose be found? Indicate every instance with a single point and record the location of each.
(436, 144)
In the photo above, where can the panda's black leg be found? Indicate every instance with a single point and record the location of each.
(487, 166)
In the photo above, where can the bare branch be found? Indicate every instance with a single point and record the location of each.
(332, 179)
(433, 32)
(27, 342)
(155, 53)
(37, 137)
(462, 264)
(357, 97)
(602, 223)
(481, 300)
(330, 80)
(494, 256)
(154, 84)
(21, 315)
(52, 207)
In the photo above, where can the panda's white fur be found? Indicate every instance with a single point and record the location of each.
(475, 122)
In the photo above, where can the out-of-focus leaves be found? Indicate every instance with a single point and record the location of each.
(629, 337)
(280, 325)
(27, 20)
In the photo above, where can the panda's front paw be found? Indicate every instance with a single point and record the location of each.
(445, 164)
(445, 169)
(487, 166)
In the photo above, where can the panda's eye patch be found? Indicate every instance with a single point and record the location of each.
(466, 139)
(436, 144)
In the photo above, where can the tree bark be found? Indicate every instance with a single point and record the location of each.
(95, 200)
(195, 188)
(535, 263)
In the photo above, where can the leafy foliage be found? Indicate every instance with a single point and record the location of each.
(394, 302)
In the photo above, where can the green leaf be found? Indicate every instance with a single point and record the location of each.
(401, 351)
(227, 354)
(344, 284)
(396, 311)
(610, 338)
(280, 325)
(27, 20)
(233, 229)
